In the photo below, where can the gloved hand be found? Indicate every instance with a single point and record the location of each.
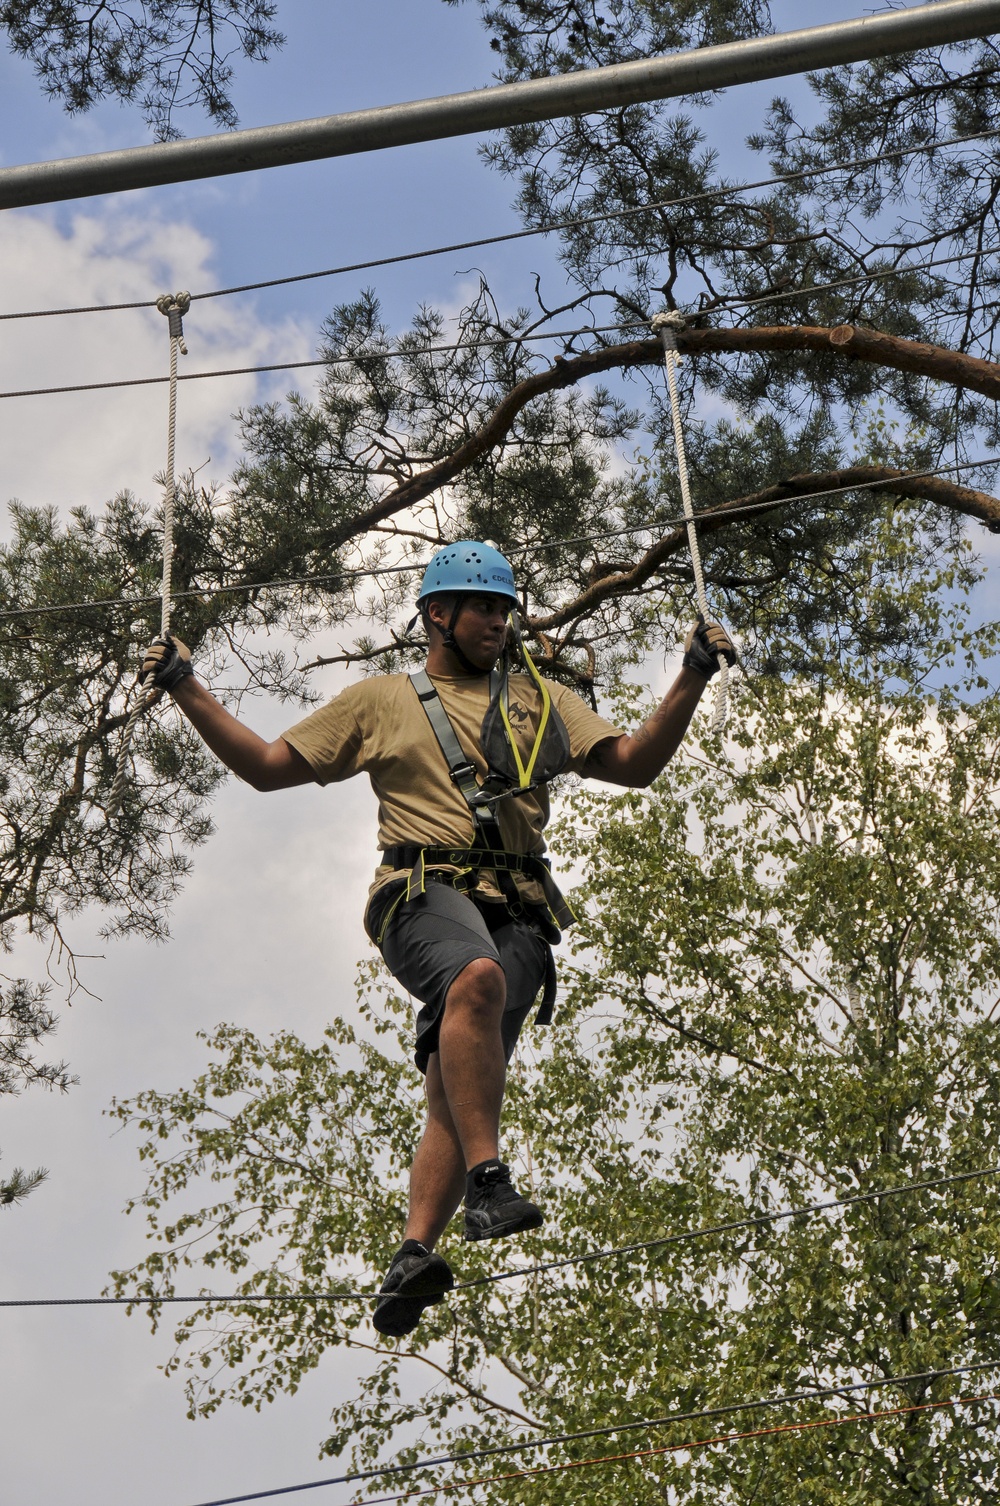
(702, 646)
(168, 660)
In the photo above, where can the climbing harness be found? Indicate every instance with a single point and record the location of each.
(471, 567)
(668, 326)
(173, 306)
(487, 849)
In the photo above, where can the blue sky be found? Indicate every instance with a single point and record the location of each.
(87, 1417)
(338, 57)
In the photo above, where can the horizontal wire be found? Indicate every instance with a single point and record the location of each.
(702, 1414)
(512, 236)
(844, 282)
(346, 576)
(511, 339)
(680, 1448)
(515, 235)
(187, 376)
(532, 1270)
(379, 355)
(613, 214)
(731, 1227)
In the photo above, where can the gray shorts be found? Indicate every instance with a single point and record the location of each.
(432, 937)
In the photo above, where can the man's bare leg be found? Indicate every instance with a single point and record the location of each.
(465, 1083)
(437, 1177)
(473, 1065)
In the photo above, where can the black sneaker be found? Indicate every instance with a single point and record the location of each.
(416, 1279)
(493, 1207)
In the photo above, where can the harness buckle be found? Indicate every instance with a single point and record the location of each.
(461, 772)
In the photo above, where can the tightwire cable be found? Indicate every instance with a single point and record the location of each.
(680, 1448)
(685, 201)
(516, 235)
(724, 305)
(732, 1226)
(709, 513)
(704, 1414)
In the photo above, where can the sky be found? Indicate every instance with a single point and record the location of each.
(268, 930)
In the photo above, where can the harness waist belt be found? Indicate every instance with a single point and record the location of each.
(531, 864)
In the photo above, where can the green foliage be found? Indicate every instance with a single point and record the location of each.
(162, 55)
(63, 679)
(580, 482)
(785, 990)
(864, 226)
(389, 407)
(25, 1020)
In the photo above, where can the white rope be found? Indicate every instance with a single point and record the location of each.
(667, 326)
(173, 306)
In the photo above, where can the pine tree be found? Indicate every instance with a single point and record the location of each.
(162, 55)
(815, 389)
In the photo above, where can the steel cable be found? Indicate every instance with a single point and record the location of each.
(725, 1410)
(685, 201)
(510, 339)
(346, 576)
(732, 1226)
(691, 1443)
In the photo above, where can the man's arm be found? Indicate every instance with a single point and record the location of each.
(636, 760)
(264, 765)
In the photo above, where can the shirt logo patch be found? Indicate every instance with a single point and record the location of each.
(517, 713)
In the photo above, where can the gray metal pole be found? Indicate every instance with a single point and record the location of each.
(490, 109)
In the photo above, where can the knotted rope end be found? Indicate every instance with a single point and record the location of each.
(174, 306)
(720, 707)
(668, 324)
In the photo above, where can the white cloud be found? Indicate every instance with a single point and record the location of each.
(85, 447)
(266, 934)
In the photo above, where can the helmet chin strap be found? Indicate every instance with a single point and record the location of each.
(450, 642)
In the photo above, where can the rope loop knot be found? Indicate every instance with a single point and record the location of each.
(174, 306)
(668, 325)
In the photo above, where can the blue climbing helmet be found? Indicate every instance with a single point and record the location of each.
(469, 566)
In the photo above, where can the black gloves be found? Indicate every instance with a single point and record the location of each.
(168, 660)
(703, 645)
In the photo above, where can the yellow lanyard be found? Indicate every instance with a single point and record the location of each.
(525, 771)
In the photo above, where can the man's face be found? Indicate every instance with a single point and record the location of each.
(481, 628)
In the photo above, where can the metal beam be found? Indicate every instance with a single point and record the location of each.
(491, 109)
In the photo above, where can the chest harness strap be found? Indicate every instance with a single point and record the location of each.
(487, 850)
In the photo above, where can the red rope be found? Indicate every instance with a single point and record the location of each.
(677, 1448)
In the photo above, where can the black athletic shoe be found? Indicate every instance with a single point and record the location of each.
(416, 1279)
(493, 1207)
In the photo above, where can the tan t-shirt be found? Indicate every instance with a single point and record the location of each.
(380, 728)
